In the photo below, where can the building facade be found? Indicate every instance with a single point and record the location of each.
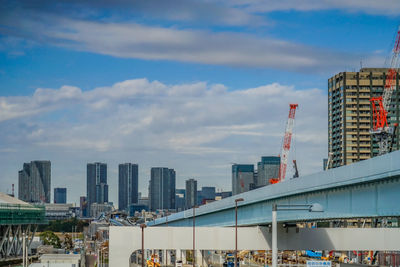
(350, 114)
(208, 192)
(34, 182)
(58, 211)
(96, 184)
(128, 182)
(97, 209)
(60, 195)
(83, 207)
(267, 168)
(162, 189)
(180, 203)
(191, 193)
(242, 178)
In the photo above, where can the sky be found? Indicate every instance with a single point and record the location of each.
(194, 85)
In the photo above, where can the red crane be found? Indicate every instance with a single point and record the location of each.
(380, 105)
(286, 145)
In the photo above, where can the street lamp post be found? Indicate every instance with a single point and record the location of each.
(283, 207)
(166, 251)
(236, 239)
(143, 226)
(194, 234)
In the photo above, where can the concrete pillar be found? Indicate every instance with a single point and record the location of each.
(199, 257)
(178, 255)
(165, 257)
(169, 257)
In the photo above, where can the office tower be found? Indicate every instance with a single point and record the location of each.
(191, 193)
(267, 168)
(222, 195)
(324, 163)
(60, 195)
(208, 192)
(127, 185)
(162, 189)
(144, 201)
(96, 184)
(242, 178)
(180, 199)
(34, 182)
(350, 114)
(83, 207)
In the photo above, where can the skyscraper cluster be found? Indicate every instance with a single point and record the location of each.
(245, 178)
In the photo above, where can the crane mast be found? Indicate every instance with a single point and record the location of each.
(286, 145)
(380, 105)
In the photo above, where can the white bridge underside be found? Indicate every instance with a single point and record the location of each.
(125, 240)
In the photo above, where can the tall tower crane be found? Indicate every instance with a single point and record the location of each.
(286, 145)
(382, 131)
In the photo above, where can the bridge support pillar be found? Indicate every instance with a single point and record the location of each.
(178, 255)
(199, 257)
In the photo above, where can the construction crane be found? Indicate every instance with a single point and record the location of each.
(382, 131)
(328, 162)
(296, 171)
(286, 145)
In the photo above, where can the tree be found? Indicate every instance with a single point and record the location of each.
(50, 238)
(67, 242)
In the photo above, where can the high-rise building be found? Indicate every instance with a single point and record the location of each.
(83, 207)
(242, 178)
(34, 182)
(180, 199)
(162, 189)
(208, 192)
(222, 195)
(350, 114)
(60, 195)
(324, 164)
(267, 168)
(191, 193)
(96, 184)
(128, 180)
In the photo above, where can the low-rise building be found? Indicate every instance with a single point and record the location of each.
(59, 260)
(97, 209)
(59, 211)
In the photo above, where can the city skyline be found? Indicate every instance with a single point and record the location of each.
(193, 86)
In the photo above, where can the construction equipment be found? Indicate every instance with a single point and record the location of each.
(296, 171)
(286, 145)
(328, 162)
(154, 261)
(382, 131)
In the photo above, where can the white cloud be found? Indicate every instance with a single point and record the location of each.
(383, 7)
(132, 40)
(189, 127)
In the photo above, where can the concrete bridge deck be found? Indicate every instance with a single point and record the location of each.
(364, 189)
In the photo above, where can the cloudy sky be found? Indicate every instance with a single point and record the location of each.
(193, 85)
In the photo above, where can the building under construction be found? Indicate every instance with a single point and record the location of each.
(350, 114)
(18, 220)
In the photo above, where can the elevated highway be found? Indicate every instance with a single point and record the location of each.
(366, 189)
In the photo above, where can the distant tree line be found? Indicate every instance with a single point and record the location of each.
(67, 225)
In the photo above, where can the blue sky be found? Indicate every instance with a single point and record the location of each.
(184, 83)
